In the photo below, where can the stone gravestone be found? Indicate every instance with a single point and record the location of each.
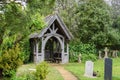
(108, 69)
(79, 58)
(114, 54)
(106, 52)
(89, 68)
(100, 55)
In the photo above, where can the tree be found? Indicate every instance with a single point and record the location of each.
(17, 24)
(94, 19)
(116, 13)
(66, 10)
(12, 26)
(44, 7)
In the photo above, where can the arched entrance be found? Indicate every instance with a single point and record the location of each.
(53, 50)
(53, 47)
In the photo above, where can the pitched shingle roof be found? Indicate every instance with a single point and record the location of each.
(49, 20)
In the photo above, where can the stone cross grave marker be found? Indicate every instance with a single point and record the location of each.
(108, 69)
(106, 52)
(89, 68)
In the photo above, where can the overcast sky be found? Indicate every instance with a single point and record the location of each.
(108, 1)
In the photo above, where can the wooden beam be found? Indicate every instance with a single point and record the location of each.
(50, 34)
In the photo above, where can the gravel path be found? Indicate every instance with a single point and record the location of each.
(66, 74)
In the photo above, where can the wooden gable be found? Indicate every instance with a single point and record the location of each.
(54, 22)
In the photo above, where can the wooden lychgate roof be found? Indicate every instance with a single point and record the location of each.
(49, 20)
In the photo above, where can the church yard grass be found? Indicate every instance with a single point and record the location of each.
(52, 75)
(78, 69)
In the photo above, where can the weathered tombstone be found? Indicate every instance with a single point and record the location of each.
(100, 55)
(79, 58)
(106, 52)
(113, 54)
(89, 68)
(116, 54)
(108, 69)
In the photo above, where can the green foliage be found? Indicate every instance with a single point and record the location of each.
(79, 70)
(44, 7)
(113, 36)
(91, 20)
(89, 56)
(94, 18)
(16, 26)
(116, 18)
(36, 22)
(24, 70)
(10, 60)
(116, 13)
(66, 10)
(25, 50)
(14, 19)
(77, 48)
(116, 23)
(118, 53)
(41, 71)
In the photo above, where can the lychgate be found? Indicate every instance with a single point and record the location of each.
(51, 44)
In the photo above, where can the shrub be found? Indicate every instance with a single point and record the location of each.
(86, 57)
(118, 53)
(25, 50)
(87, 51)
(41, 71)
(74, 56)
(10, 60)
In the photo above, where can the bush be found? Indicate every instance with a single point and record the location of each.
(91, 57)
(118, 53)
(87, 51)
(10, 60)
(41, 71)
(25, 51)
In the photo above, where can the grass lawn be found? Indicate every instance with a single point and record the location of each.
(78, 69)
(52, 75)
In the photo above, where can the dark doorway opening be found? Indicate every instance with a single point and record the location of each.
(53, 51)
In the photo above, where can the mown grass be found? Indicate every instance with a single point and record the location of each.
(78, 69)
(52, 75)
(24, 69)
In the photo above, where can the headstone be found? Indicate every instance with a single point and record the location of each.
(106, 52)
(108, 69)
(114, 54)
(79, 58)
(89, 68)
(100, 55)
